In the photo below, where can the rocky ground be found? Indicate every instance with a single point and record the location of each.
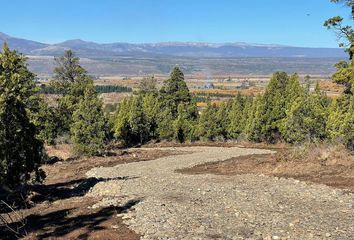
(171, 205)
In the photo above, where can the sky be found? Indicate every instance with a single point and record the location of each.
(286, 22)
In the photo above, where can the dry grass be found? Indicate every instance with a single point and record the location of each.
(325, 153)
(328, 164)
(111, 98)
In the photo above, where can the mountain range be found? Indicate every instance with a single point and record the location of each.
(180, 49)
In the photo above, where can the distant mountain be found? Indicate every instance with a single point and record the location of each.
(180, 49)
(22, 45)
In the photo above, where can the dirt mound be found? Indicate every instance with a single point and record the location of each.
(329, 165)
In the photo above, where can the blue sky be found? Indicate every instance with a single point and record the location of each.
(256, 21)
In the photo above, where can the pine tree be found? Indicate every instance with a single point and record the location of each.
(121, 122)
(175, 91)
(253, 128)
(184, 129)
(341, 116)
(293, 90)
(134, 124)
(151, 110)
(89, 127)
(306, 120)
(21, 153)
(235, 116)
(274, 106)
(138, 121)
(165, 124)
(222, 121)
(71, 80)
(341, 119)
(208, 125)
(45, 118)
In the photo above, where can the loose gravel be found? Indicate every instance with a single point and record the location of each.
(180, 206)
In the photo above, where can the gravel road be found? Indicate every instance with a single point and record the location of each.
(179, 206)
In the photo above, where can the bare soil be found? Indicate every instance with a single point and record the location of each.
(337, 172)
(60, 209)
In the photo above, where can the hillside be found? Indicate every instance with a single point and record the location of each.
(185, 49)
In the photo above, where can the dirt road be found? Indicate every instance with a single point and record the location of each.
(179, 206)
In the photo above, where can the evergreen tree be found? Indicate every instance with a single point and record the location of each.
(132, 123)
(138, 121)
(121, 123)
(345, 33)
(89, 127)
(274, 106)
(236, 124)
(21, 153)
(208, 124)
(68, 71)
(222, 121)
(344, 75)
(165, 123)
(175, 91)
(341, 117)
(184, 129)
(151, 110)
(44, 117)
(293, 91)
(253, 128)
(71, 80)
(306, 120)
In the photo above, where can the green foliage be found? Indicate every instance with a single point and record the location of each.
(68, 71)
(151, 110)
(50, 89)
(341, 112)
(112, 89)
(45, 118)
(273, 107)
(175, 92)
(345, 75)
(165, 123)
(71, 80)
(184, 129)
(110, 108)
(345, 33)
(21, 153)
(306, 120)
(285, 112)
(89, 128)
(132, 125)
(253, 128)
(122, 129)
(341, 120)
(221, 119)
(208, 123)
(236, 116)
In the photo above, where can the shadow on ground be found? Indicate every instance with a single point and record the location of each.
(60, 223)
(75, 188)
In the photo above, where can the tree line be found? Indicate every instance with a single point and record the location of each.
(48, 89)
(286, 112)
